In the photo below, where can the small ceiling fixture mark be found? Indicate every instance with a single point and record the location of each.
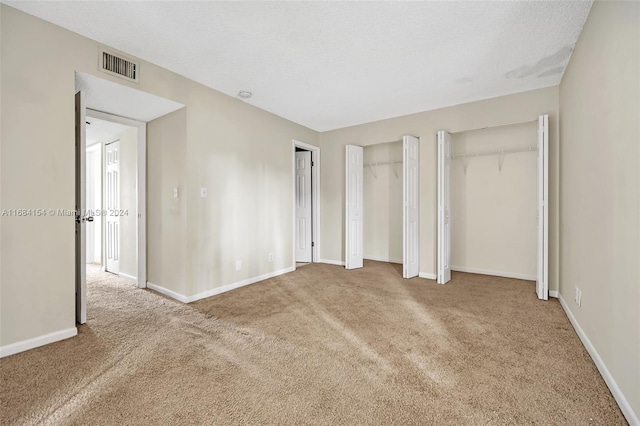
(245, 94)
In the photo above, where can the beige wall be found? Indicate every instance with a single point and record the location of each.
(128, 201)
(241, 153)
(167, 216)
(383, 203)
(502, 110)
(600, 188)
(493, 211)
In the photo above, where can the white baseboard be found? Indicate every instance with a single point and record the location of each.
(128, 277)
(553, 293)
(172, 294)
(494, 273)
(218, 290)
(36, 342)
(625, 407)
(332, 262)
(383, 259)
(427, 275)
(238, 284)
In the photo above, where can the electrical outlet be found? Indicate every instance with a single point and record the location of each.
(175, 192)
(270, 257)
(238, 265)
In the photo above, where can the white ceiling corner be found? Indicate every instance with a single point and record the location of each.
(334, 64)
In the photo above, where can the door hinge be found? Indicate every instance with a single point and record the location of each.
(313, 163)
(313, 244)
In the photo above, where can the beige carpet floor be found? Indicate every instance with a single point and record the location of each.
(318, 346)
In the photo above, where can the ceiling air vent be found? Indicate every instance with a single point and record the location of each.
(119, 65)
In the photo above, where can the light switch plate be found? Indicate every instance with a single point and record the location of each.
(203, 192)
(175, 192)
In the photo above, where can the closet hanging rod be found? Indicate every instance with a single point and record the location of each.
(382, 143)
(503, 151)
(383, 163)
(494, 126)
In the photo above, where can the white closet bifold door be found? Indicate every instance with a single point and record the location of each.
(444, 207)
(411, 208)
(354, 241)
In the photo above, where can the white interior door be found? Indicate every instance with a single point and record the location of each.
(93, 201)
(542, 281)
(81, 277)
(354, 241)
(410, 220)
(112, 205)
(444, 207)
(303, 206)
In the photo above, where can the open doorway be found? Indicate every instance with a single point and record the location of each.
(100, 99)
(112, 195)
(109, 196)
(306, 228)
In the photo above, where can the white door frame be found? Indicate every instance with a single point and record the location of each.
(304, 203)
(141, 188)
(80, 199)
(315, 198)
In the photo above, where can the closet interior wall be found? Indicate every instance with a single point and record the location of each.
(382, 184)
(493, 205)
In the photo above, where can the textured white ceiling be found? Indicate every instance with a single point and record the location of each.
(333, 64)
(97, 130)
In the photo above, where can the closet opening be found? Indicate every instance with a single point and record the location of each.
(382, 204)
(492, 202)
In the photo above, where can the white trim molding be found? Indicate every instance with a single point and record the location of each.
(218, 290)
(625, 406)
(170, 293)
(332, 262)
(128, 277)
(494, 273)
(427, 275)
(238, 284)
(553, 293)
(383, 259)
(36, 342)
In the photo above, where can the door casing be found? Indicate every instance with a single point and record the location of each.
(304, 204)
(315, 199)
